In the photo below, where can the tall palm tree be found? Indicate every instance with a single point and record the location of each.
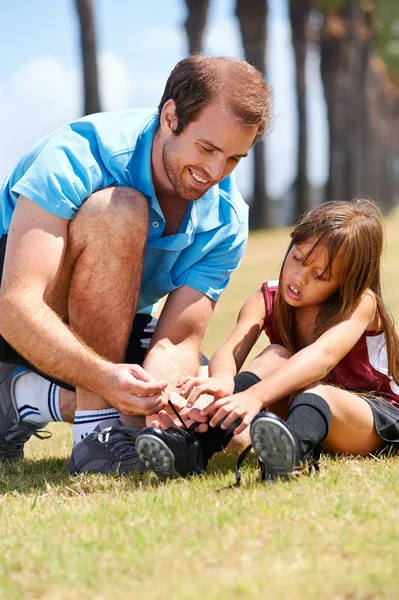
(252, 17)
(195, 24)
(299, 17)
(89, 56)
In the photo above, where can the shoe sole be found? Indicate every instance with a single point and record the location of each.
(274, 446)
(157, 456)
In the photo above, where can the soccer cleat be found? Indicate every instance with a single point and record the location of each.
(107, 449)
(14, 433)
(170, 453)
(275, 445)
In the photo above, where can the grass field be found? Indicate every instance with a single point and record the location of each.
(332, 537)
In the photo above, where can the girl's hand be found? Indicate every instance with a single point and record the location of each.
(242, 406)
(218, 387)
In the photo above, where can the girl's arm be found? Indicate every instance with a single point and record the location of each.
(229, 358)
(311, 364)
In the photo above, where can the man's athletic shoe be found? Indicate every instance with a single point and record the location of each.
(108, 449)
(170, 453)
(14, 433)
(276, 447)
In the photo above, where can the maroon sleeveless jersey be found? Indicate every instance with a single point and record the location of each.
(363, 369)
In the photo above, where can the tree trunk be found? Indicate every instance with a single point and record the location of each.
(299, 17)
(361, 32)
(89, 56)
(252, 16)
(195, 24)
(334, 53)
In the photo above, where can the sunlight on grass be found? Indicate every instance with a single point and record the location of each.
(92, 537)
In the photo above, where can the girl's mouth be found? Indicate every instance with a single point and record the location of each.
(293, 292)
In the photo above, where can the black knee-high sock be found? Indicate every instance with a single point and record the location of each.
(216, 438)
(309, 417)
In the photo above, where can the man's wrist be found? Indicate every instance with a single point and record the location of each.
(97, 377)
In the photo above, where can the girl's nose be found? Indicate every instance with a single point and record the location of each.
(301, 276)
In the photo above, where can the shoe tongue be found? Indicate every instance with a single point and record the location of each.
(114, 422)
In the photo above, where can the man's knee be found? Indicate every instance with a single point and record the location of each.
(110, 214)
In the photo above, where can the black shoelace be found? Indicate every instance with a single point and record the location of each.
(20, 433)
(192, 427)
(312, 464)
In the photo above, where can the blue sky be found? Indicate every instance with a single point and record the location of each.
(139, 42)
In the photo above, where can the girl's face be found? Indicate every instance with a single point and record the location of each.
(304, 282)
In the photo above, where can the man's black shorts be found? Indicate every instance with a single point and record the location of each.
(140, 337)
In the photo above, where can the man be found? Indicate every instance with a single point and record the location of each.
(100, 220)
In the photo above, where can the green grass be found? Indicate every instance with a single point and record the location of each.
(330, 537)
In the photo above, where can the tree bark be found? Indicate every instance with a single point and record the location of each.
(89, 56)
(252, 17)
(195, 24)
(299, 17)
(334, 55)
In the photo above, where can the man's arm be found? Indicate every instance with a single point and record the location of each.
(175, 348)
(35, 250)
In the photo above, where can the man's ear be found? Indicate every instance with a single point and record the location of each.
(168, 119)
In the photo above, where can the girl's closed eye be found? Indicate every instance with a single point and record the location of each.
(320, 276)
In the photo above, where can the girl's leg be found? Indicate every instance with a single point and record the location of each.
(267, 362)
(352, 428)
(320, 414)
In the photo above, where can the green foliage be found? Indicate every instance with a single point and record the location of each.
(387, 42)
(386, 15)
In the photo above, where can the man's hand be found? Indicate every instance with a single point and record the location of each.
(238, 406)
(132, 391)
(218, 387)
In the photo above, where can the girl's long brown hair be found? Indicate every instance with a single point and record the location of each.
(354, 231)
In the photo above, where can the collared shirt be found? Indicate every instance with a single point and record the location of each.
(63, 169)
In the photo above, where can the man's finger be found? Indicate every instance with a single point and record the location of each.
(166, 420)
(149, 388)
(141, 373)
(149, 409)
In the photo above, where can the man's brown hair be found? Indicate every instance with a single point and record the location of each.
(197, 81)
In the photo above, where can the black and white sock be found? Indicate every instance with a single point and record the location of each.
(86, 421)
(37, 399)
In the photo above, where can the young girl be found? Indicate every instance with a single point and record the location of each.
(329, 377)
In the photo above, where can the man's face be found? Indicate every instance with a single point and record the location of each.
(206, 151)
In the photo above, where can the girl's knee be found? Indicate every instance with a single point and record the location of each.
(274, 352)
(317, 387)
(270, 359)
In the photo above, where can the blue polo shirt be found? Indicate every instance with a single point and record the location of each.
(63, 169)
